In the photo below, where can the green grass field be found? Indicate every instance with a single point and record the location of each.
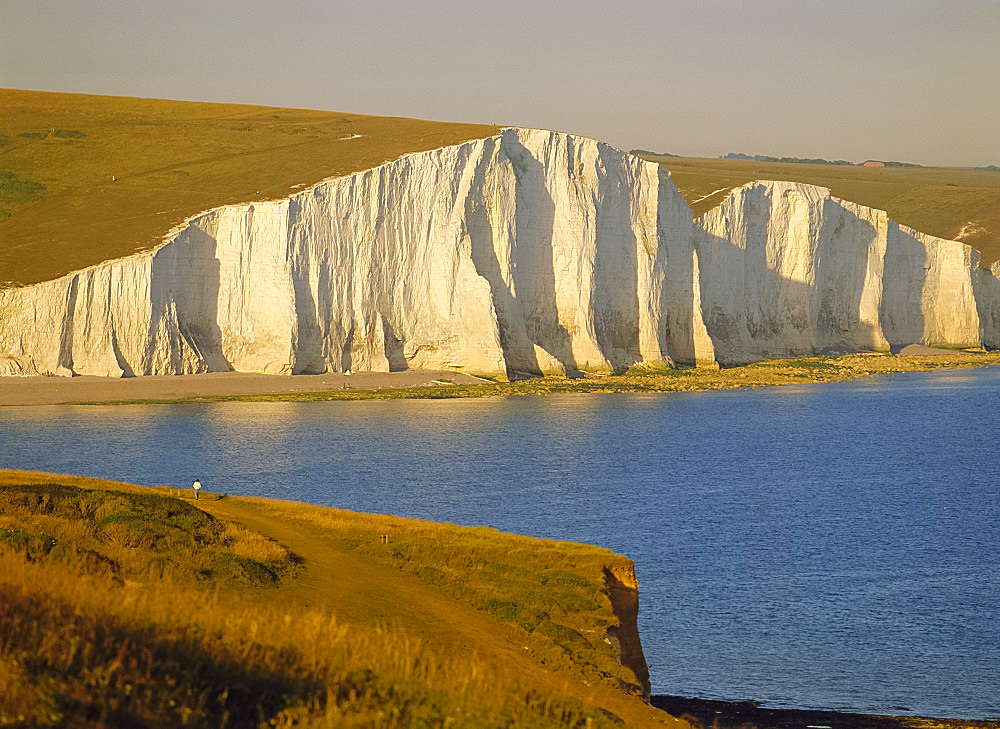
(951, 203)
(129, 606)
(84, 179)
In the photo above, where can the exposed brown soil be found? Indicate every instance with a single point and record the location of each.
(624, 594)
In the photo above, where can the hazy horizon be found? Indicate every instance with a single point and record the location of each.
(912, 81)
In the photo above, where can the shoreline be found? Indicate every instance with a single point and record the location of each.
(715, 714)
(263, 514)
(40, 390)
(429, 384)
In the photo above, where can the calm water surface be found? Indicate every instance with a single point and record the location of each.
(824, 546)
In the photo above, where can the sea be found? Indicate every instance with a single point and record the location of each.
(824, 546)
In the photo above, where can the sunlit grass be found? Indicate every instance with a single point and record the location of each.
(126, 606)
(946, 202)
(87, 178)
(133, 536)
(555, 591)
(84, 179)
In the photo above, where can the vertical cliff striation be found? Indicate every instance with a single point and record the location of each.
(521, 254)
(524, 253)
(786, 269)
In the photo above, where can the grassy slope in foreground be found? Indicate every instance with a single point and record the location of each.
(951, 203)
(641, 379)
(127, 606)
(61, 211)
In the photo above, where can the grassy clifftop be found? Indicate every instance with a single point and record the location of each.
(951, 203)
(84, 179)
(125, 606)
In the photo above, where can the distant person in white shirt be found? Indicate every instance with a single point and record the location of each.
(197, 487)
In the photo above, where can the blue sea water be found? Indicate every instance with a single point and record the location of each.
(824, 546)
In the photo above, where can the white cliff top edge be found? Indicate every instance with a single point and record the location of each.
(817, 192)
(810, 191)
(176, 230)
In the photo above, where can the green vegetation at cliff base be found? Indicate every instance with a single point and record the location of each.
(643, 379)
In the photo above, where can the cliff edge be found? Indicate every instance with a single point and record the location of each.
(623, 591)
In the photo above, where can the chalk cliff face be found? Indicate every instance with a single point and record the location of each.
(786, 269)
(524, 253)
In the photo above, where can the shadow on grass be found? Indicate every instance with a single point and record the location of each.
(114, 674)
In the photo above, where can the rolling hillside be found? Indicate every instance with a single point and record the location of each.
(84, 178)
(952, 203)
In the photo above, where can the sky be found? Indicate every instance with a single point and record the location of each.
(908, 80)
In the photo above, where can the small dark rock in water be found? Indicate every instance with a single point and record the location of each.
(707, 714)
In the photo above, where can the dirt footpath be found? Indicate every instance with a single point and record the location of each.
(67, 390)
(364, 593)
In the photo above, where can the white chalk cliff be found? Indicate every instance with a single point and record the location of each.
(786, 269)
(523, 253)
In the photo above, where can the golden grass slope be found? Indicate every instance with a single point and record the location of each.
(951, 203)
(84, 179)
(126, 606)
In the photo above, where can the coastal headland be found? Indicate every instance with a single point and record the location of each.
(528, 252)
(122, 605)
(265, 254)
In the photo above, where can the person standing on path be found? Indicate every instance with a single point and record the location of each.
(197, 487)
